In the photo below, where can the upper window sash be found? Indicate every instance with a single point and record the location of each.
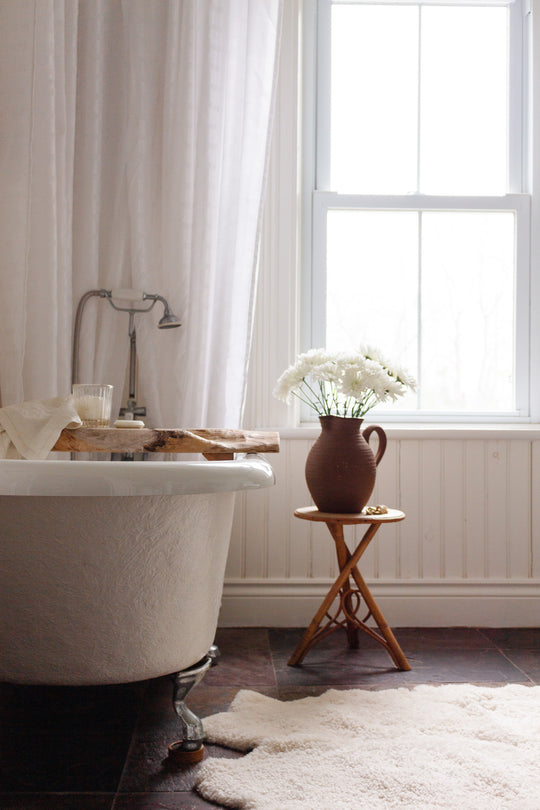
(518, 10)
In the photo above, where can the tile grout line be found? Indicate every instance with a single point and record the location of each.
(272, 661)
(529, 679)
(130, 746)
(501, 650)
(485, 637)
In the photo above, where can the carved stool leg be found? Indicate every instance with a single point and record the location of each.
(391, 645)
(309, 638)
(313, 633)
(336, 530)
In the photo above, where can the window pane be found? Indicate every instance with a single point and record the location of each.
(462, 292)
(467, 311)
(464, 97)
(419, 99)
(372, 285)
(374, 99)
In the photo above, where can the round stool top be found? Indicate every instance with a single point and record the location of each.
(312, 513)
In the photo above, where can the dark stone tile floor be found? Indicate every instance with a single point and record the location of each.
(104, 748)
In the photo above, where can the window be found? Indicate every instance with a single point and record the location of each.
(420, 220)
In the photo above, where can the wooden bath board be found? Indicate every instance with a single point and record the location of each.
(213, 443)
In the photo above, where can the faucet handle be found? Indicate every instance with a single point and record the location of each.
(132, 413)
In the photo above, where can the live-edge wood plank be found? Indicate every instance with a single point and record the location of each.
(212, 442)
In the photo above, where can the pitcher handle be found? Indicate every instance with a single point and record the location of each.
(382, 440)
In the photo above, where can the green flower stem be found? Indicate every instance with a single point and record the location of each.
(335, 398)
(322, 396)
(326, 401)
(322, 405)
(366, 403)
(325, 397)
(303, 397)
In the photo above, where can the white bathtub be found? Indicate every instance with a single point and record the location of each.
(113, 571)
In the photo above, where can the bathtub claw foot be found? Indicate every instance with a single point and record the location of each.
(183, 756)
(214, 654)
(190, 748)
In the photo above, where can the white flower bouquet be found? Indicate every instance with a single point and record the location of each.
(345, 384)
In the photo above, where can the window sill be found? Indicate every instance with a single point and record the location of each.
(395, 430)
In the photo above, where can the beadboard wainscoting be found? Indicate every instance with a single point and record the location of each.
(467, 554)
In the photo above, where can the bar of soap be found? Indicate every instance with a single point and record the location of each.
(128, 423)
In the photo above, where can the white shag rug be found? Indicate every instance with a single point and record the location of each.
(457, 747)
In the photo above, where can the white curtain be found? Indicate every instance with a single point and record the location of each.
(134, 145)
(37, 124)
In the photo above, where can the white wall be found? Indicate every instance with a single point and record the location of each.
(468, 552)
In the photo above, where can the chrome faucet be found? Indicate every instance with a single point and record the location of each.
(167, 321)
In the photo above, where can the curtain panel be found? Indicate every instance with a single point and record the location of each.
(133, 154)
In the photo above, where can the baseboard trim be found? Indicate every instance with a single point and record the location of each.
(412, 603)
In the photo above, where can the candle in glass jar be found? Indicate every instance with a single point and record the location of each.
(91, 409)
(93, 404)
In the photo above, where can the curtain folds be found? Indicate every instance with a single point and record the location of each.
(37, 123)
(134, 145)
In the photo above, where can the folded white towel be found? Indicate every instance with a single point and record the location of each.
(31, 429)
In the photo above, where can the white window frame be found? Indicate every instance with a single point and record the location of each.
(319, 198)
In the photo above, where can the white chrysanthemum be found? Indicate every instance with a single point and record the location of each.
(404, 377)
(353, 386)
(342, 383)
(396, 371)
(392, 391)
(327, 372)
(354, 360)
(396, 389)
(355, 382)
(371, 353)
(291, 379)
(314, 358)
(376, 377)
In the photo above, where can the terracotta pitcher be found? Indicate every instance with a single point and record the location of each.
(341, 466)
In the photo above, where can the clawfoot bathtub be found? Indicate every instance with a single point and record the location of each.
(113, 572)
